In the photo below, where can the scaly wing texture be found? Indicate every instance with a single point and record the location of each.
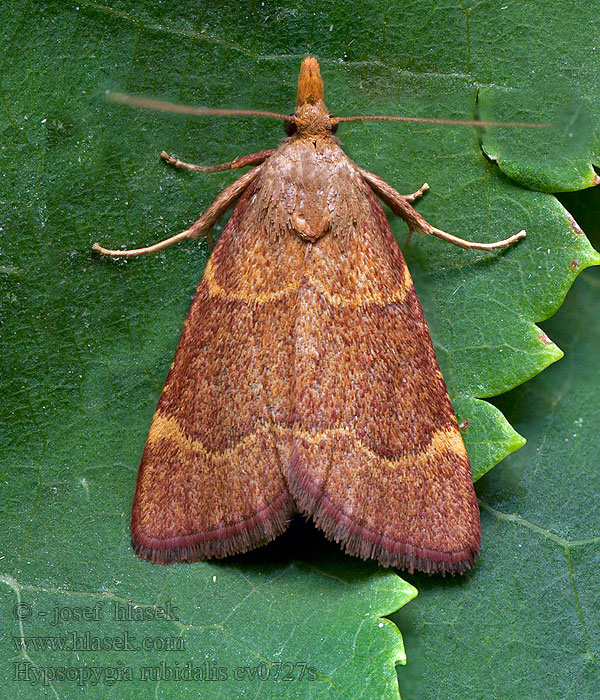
(377, 458)
(210, 482)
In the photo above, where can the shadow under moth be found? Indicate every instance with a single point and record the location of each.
(305, 381)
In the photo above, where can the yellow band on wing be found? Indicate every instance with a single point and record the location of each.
(444, 440)
(398, 295)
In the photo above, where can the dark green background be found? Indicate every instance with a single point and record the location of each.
(86, 343)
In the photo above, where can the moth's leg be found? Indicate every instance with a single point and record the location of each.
(241, 162)
(415, 195)
(400, 206)
(199, 228)
(411, 198)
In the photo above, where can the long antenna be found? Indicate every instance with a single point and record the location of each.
(424, 120)
(163, 106)
(173, 107)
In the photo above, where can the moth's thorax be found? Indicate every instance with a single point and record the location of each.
(310, 188)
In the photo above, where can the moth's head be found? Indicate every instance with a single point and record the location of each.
(312, 117)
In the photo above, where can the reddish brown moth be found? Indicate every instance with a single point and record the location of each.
(305, 380)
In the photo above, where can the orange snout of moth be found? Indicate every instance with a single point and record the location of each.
(305, 381)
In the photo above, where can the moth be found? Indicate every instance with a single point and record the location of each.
(305, 380)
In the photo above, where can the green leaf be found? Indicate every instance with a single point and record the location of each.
(213, 630)
(87, 342)
(527, 623)
(554, 158)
